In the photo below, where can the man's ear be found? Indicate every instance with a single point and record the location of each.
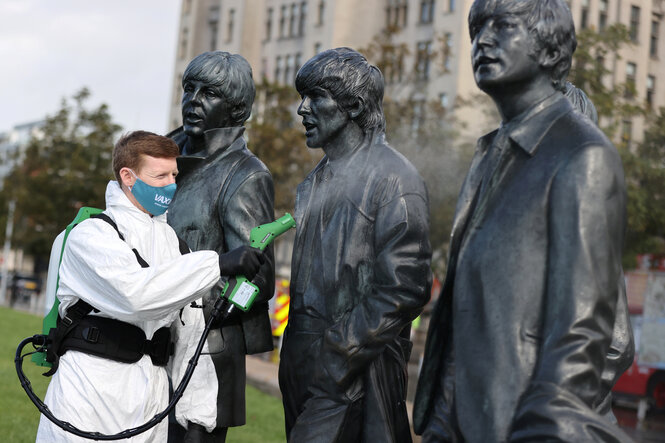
(126, 177)
(356, 108)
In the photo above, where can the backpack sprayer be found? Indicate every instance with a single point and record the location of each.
(238, 293)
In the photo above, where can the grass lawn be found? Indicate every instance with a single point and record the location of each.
(19, 417)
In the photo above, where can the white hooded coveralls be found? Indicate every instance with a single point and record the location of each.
(102, 395)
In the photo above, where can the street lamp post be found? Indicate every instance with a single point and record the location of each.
(5, 253)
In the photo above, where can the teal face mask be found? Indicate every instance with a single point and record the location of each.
(154, 199)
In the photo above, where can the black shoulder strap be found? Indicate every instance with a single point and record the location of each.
(110, 221)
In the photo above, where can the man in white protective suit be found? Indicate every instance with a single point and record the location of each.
(130, 268)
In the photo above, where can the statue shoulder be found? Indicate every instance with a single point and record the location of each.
(252, 163)
(178, 135)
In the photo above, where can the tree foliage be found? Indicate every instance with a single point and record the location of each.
(589, 72)
(66, 167)
(645, 182)
(277, 138)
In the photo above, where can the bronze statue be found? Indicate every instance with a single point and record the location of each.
(519, 338)
(360, 269)
(223, 192)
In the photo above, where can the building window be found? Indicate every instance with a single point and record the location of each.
(631, 69)
(423, 55)
(182, 50)
(602, 14)
(653, 43)
(426, 11)
(651, 88)
(282, 21)
(317, 48)
(298, 62)
(584, 19)
(278, 68)
(264, 68)
(177, 92)
(627, 133)
(392, 13)
(634, 22)
(213, 26)
(269, 24)
(288, 69)
(186, 6)
(405, 12)
(322, 10)
(229, 31)
(292, 20)
(418, 117)
(451, 5)
(397, 10)
(447, 50)
(400, 67)
(303, 19)
(443, 99)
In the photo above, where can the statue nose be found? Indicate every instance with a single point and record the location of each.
(304, 106)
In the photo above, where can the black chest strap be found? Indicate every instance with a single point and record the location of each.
(104, 337)
(109, 220)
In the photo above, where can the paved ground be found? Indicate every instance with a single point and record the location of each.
(262, 374)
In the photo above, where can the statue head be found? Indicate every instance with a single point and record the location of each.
(355, 85)
(515, 40)
(218, 92)
(581, 102)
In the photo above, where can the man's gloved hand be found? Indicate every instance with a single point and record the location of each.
(244, 260)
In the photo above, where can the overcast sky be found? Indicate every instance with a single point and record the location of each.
(122, 50)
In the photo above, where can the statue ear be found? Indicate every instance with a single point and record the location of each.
(237, 113)
(549, 57)
(356, 108)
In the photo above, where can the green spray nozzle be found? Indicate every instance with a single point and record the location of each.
(242, 292)
(261, 236)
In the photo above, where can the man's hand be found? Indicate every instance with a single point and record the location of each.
(244, 260)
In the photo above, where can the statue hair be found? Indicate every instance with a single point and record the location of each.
(581, 102)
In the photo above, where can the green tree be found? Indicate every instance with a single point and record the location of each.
(277, 138)
(589, 72)
(645, 180)
(66, 167)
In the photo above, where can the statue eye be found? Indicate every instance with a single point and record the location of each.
(210, 93)
(506, 24)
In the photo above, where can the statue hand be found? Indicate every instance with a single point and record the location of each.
(244, 260)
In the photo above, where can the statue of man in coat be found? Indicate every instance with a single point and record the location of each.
(223, 192)
(360, 271)
(519, 338)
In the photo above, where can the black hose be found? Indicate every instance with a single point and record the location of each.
(40, 340)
